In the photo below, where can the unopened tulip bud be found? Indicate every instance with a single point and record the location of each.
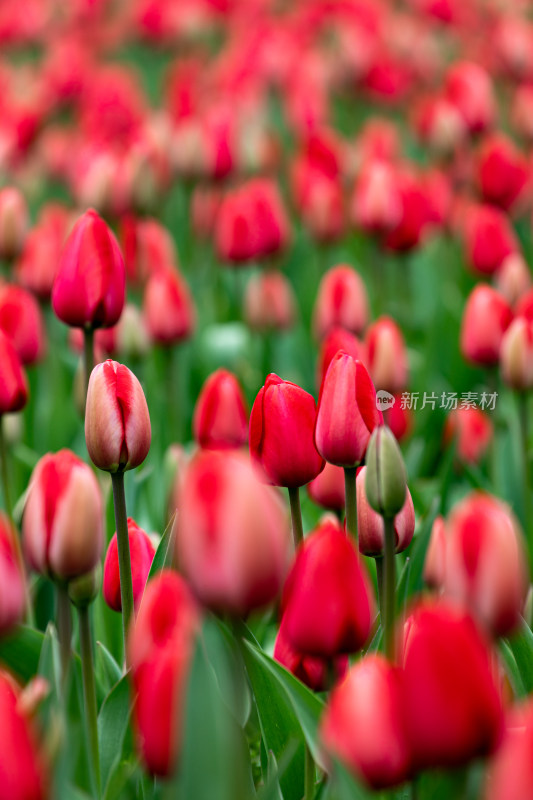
(513, 278)
(62, 523)
(168, 307)
(486, 317)
(386, 480)
(327, 489)
(13, 222)
(386, 355)
(341, 302)
(469, 88)
(269, 303)
(338, 339)
(117, 422)
(489, 239)
(130, 336)
(435, 561)
(220, 417)
(516, 355)
(503, 172)
(472, 430)
(13, 381)
(21, 320)
(84, 589)
(12, 596)
(89, 284)
(142, 554)
(370, 525)
(509, 776)
(363, 723)
(282, 424)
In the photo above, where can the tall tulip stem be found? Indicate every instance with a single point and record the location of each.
(351, 500)
(64, 629)
(124, 560)
(5, 472)
(309, 776)
(89, 693)
(296, 515)
(387, 598)
(88, 356)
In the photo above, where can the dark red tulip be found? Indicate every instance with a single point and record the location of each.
(142, 554)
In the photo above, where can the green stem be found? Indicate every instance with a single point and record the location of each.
(5, 472)
(64, 629)
(124, 560)
(309, 775)
(389, 588)
(88, 356)
(89, 693)
(380, 578)
(526, 473)
(296, 515)
(351, 501)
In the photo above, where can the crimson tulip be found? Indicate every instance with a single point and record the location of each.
(142, 554)
(220, 417)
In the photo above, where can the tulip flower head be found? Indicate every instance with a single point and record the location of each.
(117, 422)
(142, 554)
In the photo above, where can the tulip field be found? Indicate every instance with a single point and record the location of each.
(266, 425)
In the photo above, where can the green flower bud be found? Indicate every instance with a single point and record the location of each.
(83, 590)
(386, 479)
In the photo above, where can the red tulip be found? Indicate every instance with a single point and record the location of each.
(220, 417)
(510, 774)
(435, 561)
(376, 206)
(311, 670)
(319, 200)
(503, 172)
(338, 339)
(469, 88)
(232, 534)
(89, 286)
(13, 382)
(341, 302)
(117, 422)
(521, 111)
(473, 431)
(513, 278)
(398, 419)
(416, 213)
(327, 489)
(12, 595)
(168, 307)
(453, 709)
(327, 601)
(21, 320)
(269, 302)
(347, 412)
(37, 265)
(440, 125)
(488, 239)
(516, 355)
(363, 723)
(387, 355)
(371, 527)
(13, 222)
(62, 523)
(160, 647)
(486, 562)
(486, 317)
(282, 424)
(142, 554)
(23, 775)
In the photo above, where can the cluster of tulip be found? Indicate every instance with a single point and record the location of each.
(199, 197)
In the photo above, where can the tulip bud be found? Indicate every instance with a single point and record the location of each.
(62, 522)
(503, 172)
(117, 422)
(486, 562)
(516, 355)
(386, 355)
(509, 776)
(327, 489)
(13, 222)
(142, 554)
(398, 419)
(311, 670)
(129, 338)
(220, 418)
(488, 239)
(327, 601)
(83, 590)
(341, 302)
(376, 204)
(385, 480)
(338, 339)
(453, 708)
(469, 88)
(12, 596)
(23, 774)
(486, 317)
(347, 412)
(36, 268)
(168, 307)
(370, 525)
(363, 723)
(440, 126)
(269, 303)
(232, 540)
(89, 286)
(13, 382)
(513, 278)
(435, 561)
(160, 648)
(282, 424)
(473, 431)
(21, 320)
